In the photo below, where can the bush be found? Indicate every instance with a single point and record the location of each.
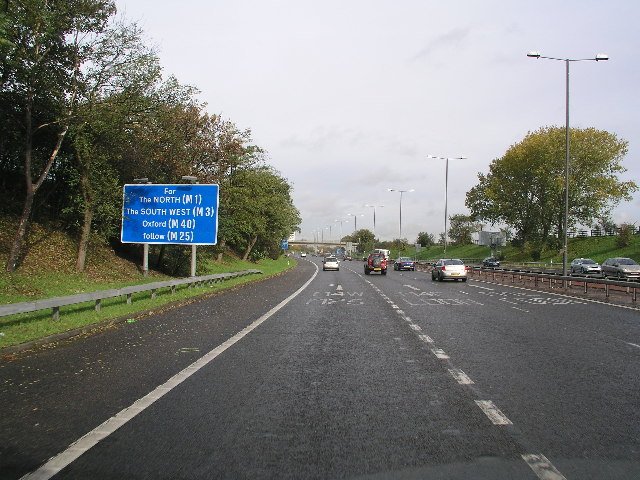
(624, 235)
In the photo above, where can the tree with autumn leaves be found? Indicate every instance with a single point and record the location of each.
(84, 109)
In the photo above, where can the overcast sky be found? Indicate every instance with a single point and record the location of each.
(349, 97)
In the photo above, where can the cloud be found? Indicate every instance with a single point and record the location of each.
(450, 40)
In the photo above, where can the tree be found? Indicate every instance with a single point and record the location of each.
(363, 237)
(460, 229)
(256, 211)
(39, 76)
(425, 239)
(525, 188)
(119, 69)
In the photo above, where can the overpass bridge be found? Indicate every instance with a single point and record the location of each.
(347, 246)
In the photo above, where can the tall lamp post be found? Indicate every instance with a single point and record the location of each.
(401, 192)
(567, 61)
(341, 222)
(446, 195)
(374, 218)
(355, 220)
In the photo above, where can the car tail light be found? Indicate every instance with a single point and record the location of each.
(444, 268)
(466, 268)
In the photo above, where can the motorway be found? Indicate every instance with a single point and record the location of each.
(324, 375)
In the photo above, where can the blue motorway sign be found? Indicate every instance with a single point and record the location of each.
(182, 214)
(284, 243)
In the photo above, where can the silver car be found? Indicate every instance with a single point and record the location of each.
(330, 263)
(585, 265)
(452, 268)
(621, 267)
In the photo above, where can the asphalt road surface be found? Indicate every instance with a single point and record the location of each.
(336, 375)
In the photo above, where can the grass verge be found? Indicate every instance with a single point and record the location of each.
(18, 329)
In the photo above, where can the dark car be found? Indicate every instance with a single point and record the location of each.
(404, 263)
(620, 267)
(490, 262)
(376, 262)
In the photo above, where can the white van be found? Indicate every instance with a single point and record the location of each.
(386, 253)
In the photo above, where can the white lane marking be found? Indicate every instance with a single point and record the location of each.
(426, 338)
(481, 287)
(460, 377)
(632, 344)
(411, 287)
(542, 467)
(339, 288)
(525, 311)
(438, 352)
(415, 327)
(493, 412)
(589, 300)
(80, 446)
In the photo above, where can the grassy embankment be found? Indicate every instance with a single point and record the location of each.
(48, 271)
(596, 248)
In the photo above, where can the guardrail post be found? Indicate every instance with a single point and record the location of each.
(153, 293)
(129, 298)
(98, 304)
(55, 315)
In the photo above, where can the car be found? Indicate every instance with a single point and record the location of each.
(376, 262)
(621, 267)
(348, 258)
(490, 262)
(303, 254)
(585, 265)
(404, 263)
(330, 263)
(452, 268)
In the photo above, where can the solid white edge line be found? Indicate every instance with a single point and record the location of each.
(542, 467)
(80, 446)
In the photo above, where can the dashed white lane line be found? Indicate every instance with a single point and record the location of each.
(542, 467)
(79, 447)
(460, 377)
(438, 352)
(632, 344)
(493, 412)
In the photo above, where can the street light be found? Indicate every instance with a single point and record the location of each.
(567, 61)
(340, 222)
(446, 194)
(374, 218)
(355, 220)
(401, 192)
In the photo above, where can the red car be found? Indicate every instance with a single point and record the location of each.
(376, 262)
